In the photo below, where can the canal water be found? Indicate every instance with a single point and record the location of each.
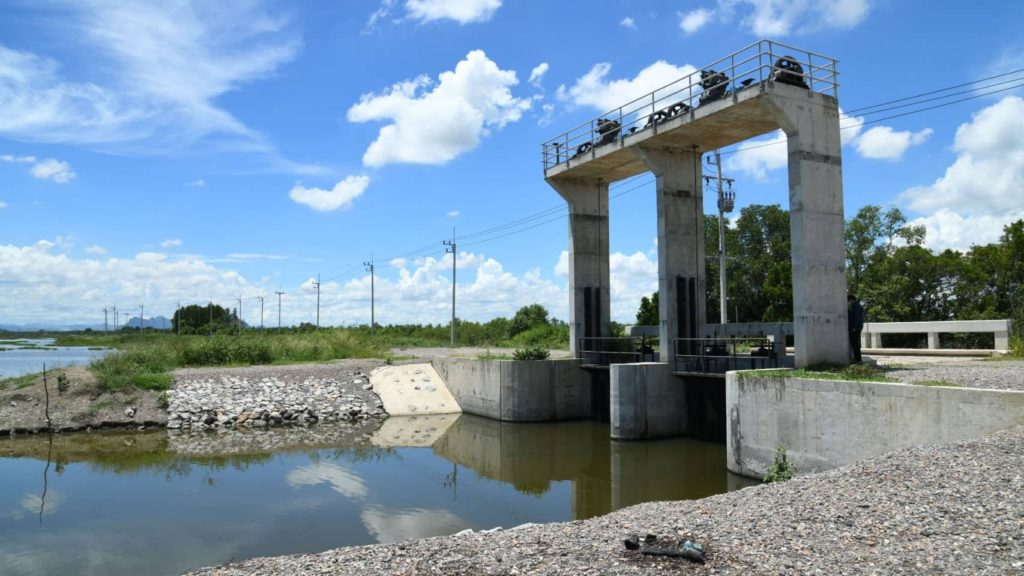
(161, 502)
(25, 356)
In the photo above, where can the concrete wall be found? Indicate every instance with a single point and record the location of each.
(518, 391)
(825, 424)
(647, 401)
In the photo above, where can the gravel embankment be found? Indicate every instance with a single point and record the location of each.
(265, 395)
(990, 374)
(949, 509)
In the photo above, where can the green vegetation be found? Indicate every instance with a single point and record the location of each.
(531, 354)
(781, 468)
(856, 372)
(18, 382)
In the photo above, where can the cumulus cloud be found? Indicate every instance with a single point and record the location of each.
(389, 525)
(537, 74)
(628, 22)
(432, 124)
(96, 249)
(461, 11)
(341, 196)
(594, 89)
(342, 481)
(58, 171)
(782, 17)
(961, 205)
(882, 142)
(694, 20)
(165, 65)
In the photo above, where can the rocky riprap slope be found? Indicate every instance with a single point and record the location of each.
(262, 396)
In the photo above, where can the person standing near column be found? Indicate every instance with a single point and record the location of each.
(855, 318)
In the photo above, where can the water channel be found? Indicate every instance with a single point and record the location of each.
(28, 355)
(159, 502)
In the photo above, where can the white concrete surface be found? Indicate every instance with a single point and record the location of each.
(825, 424)
(412, 389)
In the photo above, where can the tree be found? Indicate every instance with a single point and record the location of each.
(196, 318)
(648, 315)
(528, 317)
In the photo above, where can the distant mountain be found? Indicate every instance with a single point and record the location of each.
(156, 322)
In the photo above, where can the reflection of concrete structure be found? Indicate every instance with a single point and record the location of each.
(766, 87)
(605, 475)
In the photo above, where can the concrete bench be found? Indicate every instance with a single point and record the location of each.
(871, 337)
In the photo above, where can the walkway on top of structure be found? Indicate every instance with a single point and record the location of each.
(599, 148)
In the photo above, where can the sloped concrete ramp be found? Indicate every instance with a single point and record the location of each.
(413, 431)
(413, 390)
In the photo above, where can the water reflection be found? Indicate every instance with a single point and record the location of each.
(162, 503)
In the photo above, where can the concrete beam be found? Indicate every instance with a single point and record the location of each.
(680, 202)
(589, 277)
(811, 124)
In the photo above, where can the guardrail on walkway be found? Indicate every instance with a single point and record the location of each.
(871, 337)
(762, 61)
(720, 355)
(605, 351)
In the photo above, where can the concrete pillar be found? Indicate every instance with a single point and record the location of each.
(1002, 340)
(876, 340)
(680, 202)
(811, 124)
(933, 340)
(589, 280)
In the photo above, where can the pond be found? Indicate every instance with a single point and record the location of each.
(27, 355)
(159, 502)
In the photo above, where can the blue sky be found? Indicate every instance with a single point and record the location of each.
(194, 151)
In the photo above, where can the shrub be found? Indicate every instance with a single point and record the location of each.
(531, 354)
(781, 468)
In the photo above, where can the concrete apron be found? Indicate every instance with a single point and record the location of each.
(413, 389)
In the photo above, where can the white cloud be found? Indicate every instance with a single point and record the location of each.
(882, 142)
(435, 126)
(171, 243)
(461, 11)
(341, 196)
(56, 170)
(47, 169)
(453, 213)
(782, 17)
(196, 183)
(628, 22)
(389, 525)
(96, 249)
(594, 89)
(981, 189)
(948, 229)
(160, 69)
(537, 74)
(694, 20)
(344, 482)
(379, 14)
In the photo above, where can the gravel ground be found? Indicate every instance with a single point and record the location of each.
(990, 374)
(950, 509)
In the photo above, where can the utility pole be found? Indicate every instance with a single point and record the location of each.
(114, 313)
(105, 327)
(373, 322)
(239, 315)
(450, 249)
(317, 284)
(142, 314)
(260, 298)
(726, 203)
(279, 293)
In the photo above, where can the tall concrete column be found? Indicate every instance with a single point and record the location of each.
(811, 124)
(589, 279)
(680, 199)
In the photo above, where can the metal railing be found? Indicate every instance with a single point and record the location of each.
(762, 61)
(719, 355)
(605, 351)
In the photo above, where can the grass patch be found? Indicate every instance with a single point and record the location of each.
(19, 382)
(936, 383)
(854, 372)
(97, 406)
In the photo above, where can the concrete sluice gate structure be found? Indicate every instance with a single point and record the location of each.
(761, 88)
